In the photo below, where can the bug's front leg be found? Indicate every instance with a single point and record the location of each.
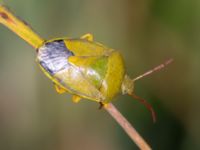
(76, 98)
(59, 89)
(101, 105)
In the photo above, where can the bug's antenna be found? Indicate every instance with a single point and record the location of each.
(159, 67)
(146, 104)
(143, 101)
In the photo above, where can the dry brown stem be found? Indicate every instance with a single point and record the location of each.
(128, 128)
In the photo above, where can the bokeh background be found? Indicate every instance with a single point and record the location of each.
(147, 32)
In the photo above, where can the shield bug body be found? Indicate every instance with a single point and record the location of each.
(81, 67)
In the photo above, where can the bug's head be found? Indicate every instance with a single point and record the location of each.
(127, 85)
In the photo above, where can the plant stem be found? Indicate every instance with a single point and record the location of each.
(20, 27)
(128, 128)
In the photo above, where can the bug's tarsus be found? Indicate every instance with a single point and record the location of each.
(159, 67)
(101, 105)
(146, 104)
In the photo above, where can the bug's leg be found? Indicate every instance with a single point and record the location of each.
(88, 37)
(76, 98)
(59, 89)
(101, 105)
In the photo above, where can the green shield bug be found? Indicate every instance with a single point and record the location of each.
(81, 67)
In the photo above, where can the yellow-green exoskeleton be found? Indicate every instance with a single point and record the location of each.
(81, 67)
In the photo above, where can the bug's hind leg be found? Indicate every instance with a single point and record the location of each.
(88, 37)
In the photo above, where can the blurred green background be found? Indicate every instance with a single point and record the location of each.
(147, 32)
